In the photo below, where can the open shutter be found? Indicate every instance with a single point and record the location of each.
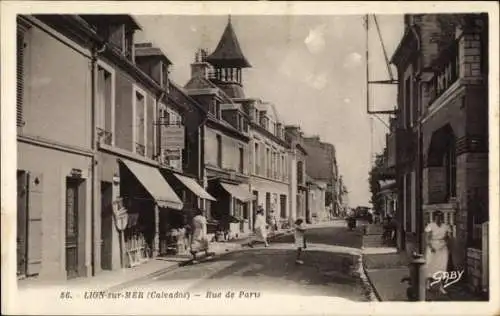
(22, 203)
(20, 78)
(35, 232)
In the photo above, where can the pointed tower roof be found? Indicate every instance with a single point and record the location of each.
(228, 52)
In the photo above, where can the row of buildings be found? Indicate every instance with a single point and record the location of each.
(112, 154)
(436, 154)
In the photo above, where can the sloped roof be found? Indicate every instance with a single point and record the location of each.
(228, 52)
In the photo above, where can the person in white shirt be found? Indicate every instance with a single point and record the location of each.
(260, 228)
(438, 235)
(199, 240)
(300, 242)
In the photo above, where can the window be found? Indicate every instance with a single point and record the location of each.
(407, 103)
(164, 75)
(241, 160)
(139, 131)
(217, 110)
(300, 172)
(105, 104)
(283, 167)
(212, 107)
(268, 163)
(256, 162)
(450, 164)
(219, 151)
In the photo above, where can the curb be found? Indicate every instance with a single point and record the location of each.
(374, 294)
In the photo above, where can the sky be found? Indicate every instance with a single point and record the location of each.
(313, 68)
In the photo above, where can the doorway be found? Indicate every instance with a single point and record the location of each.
(255, 207)
(107, 226)
(75, 221)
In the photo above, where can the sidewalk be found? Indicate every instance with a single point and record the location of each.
(115, 279)
(385, 271)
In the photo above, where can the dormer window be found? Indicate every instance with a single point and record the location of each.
(117, 29)
(164, 75)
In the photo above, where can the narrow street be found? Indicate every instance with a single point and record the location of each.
(260, 271)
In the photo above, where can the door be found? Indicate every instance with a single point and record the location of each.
(22, 222)
(106, 225)
(268, 204)
(72, 204)
(283, 206)
(255, 206)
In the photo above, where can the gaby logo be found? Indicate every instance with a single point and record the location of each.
(448, 278)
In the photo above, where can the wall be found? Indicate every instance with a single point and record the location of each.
(124, 120)
(57, 104)
(263, 186)
(52, 167)
(230, 150)
(320, 159)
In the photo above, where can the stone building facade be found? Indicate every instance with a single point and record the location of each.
(442, 63)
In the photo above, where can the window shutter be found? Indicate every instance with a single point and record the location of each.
(20, 78)
(35, 232)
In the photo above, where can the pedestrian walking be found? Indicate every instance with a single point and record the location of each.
(300, 241)
(438, 235)
(199, 239)
(260, 228)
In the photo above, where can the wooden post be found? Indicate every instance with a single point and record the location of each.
(122, 248)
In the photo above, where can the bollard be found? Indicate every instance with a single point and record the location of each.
(418, 277)
(416, 290)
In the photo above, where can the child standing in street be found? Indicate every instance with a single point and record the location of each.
(300, 241)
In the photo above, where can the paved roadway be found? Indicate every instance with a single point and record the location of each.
(326, 271)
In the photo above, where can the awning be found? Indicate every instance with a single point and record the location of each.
(156, 185)
(194, 187)
(239, 192)
(387, 184)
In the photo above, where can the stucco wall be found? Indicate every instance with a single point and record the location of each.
(230, 150)
(52, 167)
(57, 91)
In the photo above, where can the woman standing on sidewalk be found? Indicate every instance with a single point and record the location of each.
(438, 234)
(260, 228)
(199, 240)
(300, 242)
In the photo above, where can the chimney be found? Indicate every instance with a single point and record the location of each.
(200, 67)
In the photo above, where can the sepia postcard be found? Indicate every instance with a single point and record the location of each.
(248, 158)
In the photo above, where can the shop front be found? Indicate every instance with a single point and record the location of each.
(145, 194)
(174, 225)
(232, 208)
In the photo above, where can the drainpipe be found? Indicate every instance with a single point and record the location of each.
(94, 140)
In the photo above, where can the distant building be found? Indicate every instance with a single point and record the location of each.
(322, 166)
(297, 170)
(316, 200)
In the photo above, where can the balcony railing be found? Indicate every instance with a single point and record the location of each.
(140, 149)
(103, 136)
(447, 72)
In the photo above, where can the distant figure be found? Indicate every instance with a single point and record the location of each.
(438, 235)
(260, 228)
(199, 240)
(300, 241)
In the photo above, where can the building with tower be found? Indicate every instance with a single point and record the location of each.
(216, 83)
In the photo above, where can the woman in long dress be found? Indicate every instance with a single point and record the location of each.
(300, 242)
(199, 240)
(438, 234)
(260, 228)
